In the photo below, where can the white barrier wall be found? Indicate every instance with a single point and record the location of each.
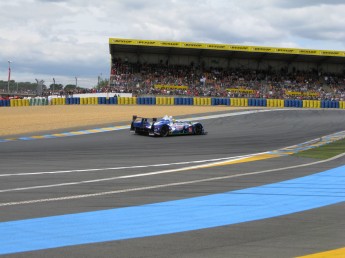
(87, 95)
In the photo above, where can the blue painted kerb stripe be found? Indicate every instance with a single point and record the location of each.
(215, 210)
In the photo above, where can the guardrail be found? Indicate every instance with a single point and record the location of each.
(177, 101)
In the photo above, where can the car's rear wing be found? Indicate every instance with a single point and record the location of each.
(144, 120)
(135, 117)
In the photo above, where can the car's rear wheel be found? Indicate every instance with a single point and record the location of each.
(198, 129)
(164, 131)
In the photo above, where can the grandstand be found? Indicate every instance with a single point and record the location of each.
(145, 67)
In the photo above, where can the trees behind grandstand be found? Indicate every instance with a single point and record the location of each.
(31, 88)
(18, 86)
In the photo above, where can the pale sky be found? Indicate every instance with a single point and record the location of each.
(64, 39)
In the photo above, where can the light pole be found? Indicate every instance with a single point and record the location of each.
(53, 85)
(76, 82)
(99, 79)
(9, 76)
(37, 86)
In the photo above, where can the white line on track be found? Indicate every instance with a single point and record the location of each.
(213, 162)
(164, 185)
(127, 176)
(129, 167)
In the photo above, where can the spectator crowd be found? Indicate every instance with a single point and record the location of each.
(191, 80)
(194, 80)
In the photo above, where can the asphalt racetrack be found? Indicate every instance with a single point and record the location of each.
(116, 194)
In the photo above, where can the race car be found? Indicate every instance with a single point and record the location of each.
(165, 126)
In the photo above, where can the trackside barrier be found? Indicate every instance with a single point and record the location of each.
(18, 102)
(165, 101)
(127, 100)
(68, 101)
(89, 101)
(113, 100)
(275, 103)
(311, 103)
(293, 103)
(13, 102)
(42, 101)
(342, 104)
(330, 104)
(93, 100)
(58, 101)
(5, 103)
(146, 101)
(25, 102)
(317, 103)
(183, 101)
(73, 101)
(38, 102)
(200, 101)
(83, 101)
(239, 102)
(107, 100)
(257, 102)
(206, 101)
(220, 101)
(196, 101)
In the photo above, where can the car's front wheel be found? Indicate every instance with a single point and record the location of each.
(198, 129)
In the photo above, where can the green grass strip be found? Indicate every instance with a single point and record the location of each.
(324, 152)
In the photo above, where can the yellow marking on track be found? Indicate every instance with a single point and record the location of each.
(94, 130)
(337, 253)
(11, 139)
(108, 128)
(38, 137)
(77, 133)
(58, 134)
(122, 126)
(243, 160)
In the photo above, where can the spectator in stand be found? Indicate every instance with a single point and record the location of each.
(141, 78)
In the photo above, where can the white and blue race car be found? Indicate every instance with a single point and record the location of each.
(165, 126)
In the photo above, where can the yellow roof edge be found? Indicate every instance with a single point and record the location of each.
(229, 47)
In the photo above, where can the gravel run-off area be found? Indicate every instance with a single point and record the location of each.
(32, 119)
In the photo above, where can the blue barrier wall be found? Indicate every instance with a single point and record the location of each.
(146, 100)
(5, 103)
(330, 104)
(183, 101)
(257, 102)
(107, 101)
(220, 101)
(293, 103)
(177, 100)
(73, 101)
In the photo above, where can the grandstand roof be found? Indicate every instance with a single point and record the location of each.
(120, 45)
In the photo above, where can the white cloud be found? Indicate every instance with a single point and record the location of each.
(69, 38)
